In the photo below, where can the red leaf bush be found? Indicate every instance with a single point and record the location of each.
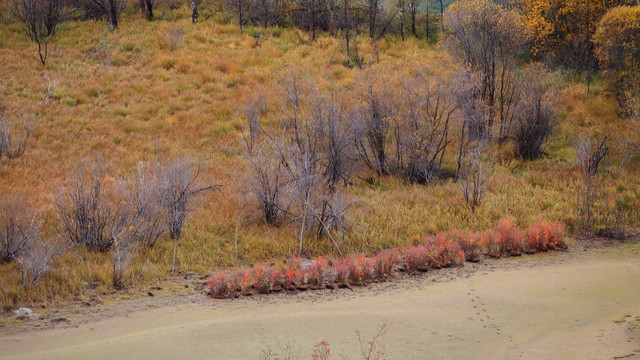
(509, 238)
(438, 251)
(472, 245)
(545, 236)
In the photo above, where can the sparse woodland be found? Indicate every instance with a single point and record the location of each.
(141, 140)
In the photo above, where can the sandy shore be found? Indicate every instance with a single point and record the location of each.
(557, 306)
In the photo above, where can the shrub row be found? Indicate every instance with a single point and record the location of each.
(438, 251)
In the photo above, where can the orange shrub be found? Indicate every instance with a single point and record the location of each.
(471, 244)
(509, 238)
(545, 236)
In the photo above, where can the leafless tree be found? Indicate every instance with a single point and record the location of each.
(83, 210)
(466, 86)
(535, 114)
(140, 206)
(372, 126)
(36, 261)
(476, 171)
(40, 20)
(422, 127)
(14, 136)
(179, 186)
(19, 227)
(297, 173)
(123, 251)
(490, 39)
(590, 154)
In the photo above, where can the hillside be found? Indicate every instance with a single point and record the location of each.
(139, 94)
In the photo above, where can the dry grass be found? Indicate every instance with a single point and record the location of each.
(126, 96)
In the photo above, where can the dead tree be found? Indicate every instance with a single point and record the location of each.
(476, 171)
(40, 20)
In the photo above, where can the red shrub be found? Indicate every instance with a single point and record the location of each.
(243, 281)
(509, 238)
(319, 271)
(358, 270)
(260, 279)
(471, 245)
(491, 243)
(289, 275)
(444, 251)
(276, 278)
(545, 236)
(222, 285)
(341, 268)
(382, 264)
(417, 258)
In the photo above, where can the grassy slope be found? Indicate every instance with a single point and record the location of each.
(189, 101)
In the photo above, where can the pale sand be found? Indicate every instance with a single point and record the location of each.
(534, 308)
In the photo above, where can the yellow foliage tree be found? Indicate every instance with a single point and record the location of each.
(562, 29)
(617, 47)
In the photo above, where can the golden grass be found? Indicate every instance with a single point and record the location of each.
(134, 97)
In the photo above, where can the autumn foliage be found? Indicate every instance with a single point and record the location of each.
(441, 250)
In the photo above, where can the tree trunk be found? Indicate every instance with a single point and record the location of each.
(414, 12)
(240, 15)
(373, 10)
(194, 11)
(442, 15)
(113, 15)
(347, 28)
(266, 13)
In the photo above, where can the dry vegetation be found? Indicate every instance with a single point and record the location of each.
(169, 89)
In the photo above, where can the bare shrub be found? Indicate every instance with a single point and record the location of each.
(373, 349)
(40, 20)
(297, 173)
(268, 182)
(49, 89)
(490, 39)
(179, 186)
(422, 128)
(141, 205)
(372, 128)
(475, 173)
(14, 136)
(590, 153)
(36, 261)
(175, 36)
(83, 210)
(535, 115)
(123, 251)
(589, 156)
(19, 227)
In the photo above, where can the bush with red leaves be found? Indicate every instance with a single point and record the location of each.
(509, 238)
(440, 250)
(545, 236)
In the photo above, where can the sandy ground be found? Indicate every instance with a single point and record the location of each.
(559, 306)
